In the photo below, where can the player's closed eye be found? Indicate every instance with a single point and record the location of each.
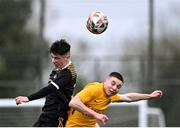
(119, 86)
(113, 83)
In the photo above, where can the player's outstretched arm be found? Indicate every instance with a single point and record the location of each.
(131, 97)
(37, 95)
(21, 99)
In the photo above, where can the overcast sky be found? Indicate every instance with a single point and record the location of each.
(127, 19)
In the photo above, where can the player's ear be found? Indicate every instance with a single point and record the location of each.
(67, 55)
(106, 81)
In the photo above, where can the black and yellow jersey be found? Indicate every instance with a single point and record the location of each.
(58, 92)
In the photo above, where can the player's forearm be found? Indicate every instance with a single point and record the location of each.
(79, 106)
(42, 92)
(131, 97)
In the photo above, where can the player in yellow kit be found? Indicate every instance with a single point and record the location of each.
(88, 105)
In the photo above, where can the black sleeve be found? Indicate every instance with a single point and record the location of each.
(42, 92)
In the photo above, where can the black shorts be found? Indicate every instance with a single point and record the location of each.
(51, 120)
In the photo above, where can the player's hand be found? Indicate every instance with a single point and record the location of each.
(21, 99)
(101, 118)
(156, 94)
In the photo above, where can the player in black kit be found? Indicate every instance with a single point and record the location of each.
(59, 90)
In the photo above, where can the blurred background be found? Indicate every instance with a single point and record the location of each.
(141, 42)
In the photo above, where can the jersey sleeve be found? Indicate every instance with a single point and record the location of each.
(116, 98)
(42, 92)
(88, 93)
(63, 78)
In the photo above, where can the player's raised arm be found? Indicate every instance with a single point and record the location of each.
(131, 97)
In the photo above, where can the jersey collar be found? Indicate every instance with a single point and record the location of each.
(66, 65)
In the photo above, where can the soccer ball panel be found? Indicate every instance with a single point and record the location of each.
(97, 22)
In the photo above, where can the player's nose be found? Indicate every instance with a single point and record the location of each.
(53, 60)
(114, 88)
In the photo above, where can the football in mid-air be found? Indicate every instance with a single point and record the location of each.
(97, 22)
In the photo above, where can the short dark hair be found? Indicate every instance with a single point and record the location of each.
(60, 47)
(117, 75)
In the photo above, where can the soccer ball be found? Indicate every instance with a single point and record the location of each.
(97, 22)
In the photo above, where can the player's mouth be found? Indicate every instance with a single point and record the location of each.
(110, 92)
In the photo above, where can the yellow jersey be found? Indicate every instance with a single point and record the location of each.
(94, 97)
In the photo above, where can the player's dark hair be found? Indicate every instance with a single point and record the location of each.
(117, 75)
(60, 47)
